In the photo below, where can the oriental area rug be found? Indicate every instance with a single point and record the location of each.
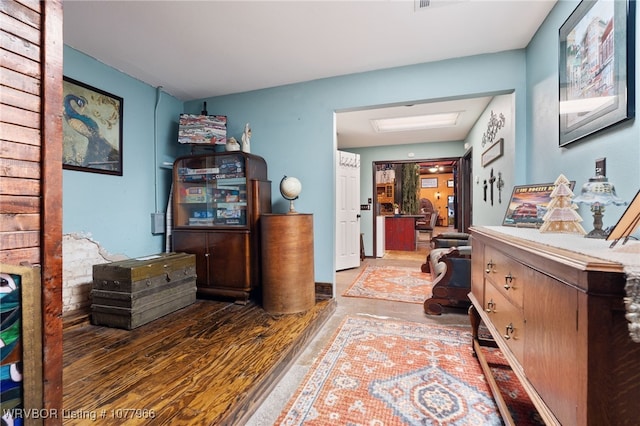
(400, 284)
(387, 372)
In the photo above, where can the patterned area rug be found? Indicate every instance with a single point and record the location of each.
(401, 284)
(385, 372)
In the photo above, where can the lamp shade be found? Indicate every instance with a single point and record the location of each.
(599, 191)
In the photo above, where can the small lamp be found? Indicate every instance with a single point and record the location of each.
(598, 193)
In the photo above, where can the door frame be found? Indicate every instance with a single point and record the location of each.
(374, 165)
(464, 180)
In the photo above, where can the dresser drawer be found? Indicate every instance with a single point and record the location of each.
(507, 319)
(505, 274)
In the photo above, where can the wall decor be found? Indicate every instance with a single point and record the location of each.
(496, 122)
(92, 129)
(203, 129)
(429, 182)
(528, 204)
(22, 356)
(492, 153)
(450, 183)
(596, 68)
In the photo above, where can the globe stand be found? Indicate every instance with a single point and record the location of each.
(290, 188)
(292, 209)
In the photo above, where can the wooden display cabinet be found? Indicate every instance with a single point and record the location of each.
(385, 193)
(217, 201)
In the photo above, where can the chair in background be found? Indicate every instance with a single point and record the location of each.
(427, 225)
(450, 239)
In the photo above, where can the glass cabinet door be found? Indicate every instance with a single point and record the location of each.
(210, 191)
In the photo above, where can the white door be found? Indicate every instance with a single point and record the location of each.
(347, 210)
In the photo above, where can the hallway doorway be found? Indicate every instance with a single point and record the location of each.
(441, 183)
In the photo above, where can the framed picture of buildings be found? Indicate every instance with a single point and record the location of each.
(596, 68)
(91, 129)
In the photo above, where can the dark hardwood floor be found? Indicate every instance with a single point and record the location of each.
(211, 363)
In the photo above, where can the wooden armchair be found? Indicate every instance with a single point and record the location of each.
(426, 225)
(450, 270)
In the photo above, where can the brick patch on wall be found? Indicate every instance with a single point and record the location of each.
(79, 254)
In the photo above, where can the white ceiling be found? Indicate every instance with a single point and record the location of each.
(200, 49)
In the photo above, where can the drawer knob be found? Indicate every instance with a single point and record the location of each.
(490, 266)
(508, 279)
(491, 306)
(508, 332)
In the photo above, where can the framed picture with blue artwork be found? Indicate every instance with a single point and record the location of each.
(91, 129)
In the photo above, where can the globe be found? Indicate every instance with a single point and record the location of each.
(290, 189)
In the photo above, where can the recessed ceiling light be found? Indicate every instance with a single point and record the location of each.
(417, 122)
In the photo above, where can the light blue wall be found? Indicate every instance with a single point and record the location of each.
(116, 211)
(484, 212)
(421, 151)
(293, 129)
(619, 144)
(293, 126)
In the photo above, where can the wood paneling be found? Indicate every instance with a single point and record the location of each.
(26, 101)
(31, 46)
(51, 243)
(19, 204)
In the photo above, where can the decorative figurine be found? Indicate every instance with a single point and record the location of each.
(246, 139)
(232, 144)
(561, 215)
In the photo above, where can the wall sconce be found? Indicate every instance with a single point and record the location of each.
(598, 193)
(437, 195)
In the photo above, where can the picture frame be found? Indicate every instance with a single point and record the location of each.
(491, 154)
(429, 183)
(628, 222)
(595, 97)
(194, 129)
(91, 129)
(528, 204)
(450, 183)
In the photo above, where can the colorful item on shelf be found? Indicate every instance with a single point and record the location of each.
(202, 129)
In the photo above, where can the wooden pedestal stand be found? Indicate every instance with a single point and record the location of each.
(288, 283)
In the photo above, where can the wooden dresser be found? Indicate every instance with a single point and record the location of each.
(559, 318)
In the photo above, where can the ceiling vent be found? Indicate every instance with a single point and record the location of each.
(421, 4)
(430, 4)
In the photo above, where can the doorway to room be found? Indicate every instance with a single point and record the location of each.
(440, 185)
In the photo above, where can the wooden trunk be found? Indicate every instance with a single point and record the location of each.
(133, 292)
(288, 283)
